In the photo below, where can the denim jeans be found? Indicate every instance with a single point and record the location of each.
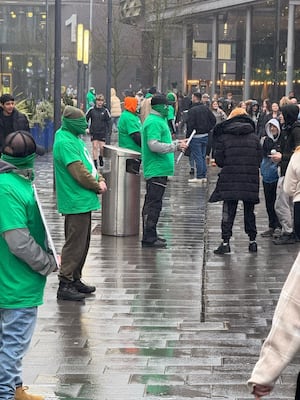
(16, 330)
(198, 151)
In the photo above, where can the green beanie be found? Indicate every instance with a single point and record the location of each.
(72, 112)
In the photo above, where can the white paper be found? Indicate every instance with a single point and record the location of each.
(188, 143)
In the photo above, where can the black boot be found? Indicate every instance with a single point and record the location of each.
(67, 291)
(96, 164)
(101, 163)
(83, 288)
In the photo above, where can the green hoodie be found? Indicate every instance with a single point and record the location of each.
(68, 147)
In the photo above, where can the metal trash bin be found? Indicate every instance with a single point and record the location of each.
(121, 202)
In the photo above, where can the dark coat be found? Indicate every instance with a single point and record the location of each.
(237, 150)
(19, 122)
(200, 118)
(290, 135)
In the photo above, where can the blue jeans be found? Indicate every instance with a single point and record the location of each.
(198, 151)
(16, 330)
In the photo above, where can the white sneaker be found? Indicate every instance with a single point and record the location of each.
(195, 180)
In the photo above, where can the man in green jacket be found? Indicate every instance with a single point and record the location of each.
(77, 187)
(24, 263)
(158, 164)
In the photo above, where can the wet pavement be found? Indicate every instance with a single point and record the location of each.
(174, 323)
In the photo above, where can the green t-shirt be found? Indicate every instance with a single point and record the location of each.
(156, 164)
(72, 198)
(20, 286)
(129, 123)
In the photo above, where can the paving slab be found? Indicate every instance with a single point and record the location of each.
(174, 323)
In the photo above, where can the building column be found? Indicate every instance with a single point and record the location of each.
(290, 48)
(215, 56)
(187, 48)
(248, 53)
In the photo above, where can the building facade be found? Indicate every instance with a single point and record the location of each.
(249, 47)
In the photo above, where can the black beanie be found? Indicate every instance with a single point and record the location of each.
(159, 99)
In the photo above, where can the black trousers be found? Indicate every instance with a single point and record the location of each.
(228, 216)
(270, 197)
(75, 249)
(155, 189)
(297, 219)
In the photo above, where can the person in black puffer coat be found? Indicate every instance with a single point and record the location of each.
(237, 150)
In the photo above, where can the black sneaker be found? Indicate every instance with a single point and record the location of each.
(223, 249)
(192, 171)
(67, 291)
(253, 247)
(101, 163)
(285, 238)
(83, 288)
(157, 243)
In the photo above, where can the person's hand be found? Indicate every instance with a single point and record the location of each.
(102, 187)
(261, 390)
(276, 158)
(87, 131)
(182, 144)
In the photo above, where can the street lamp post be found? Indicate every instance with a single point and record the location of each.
(47, 54)
(57, 66)
(108, 57)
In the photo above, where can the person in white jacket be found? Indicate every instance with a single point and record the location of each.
(283, 341)
(291, 186)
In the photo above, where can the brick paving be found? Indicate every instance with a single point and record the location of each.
(175, 323)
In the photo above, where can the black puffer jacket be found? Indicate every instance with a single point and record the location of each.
(238, 152)
(290, 136)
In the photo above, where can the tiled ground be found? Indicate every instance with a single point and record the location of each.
(175, 323)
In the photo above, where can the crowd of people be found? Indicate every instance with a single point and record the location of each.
(243, 139)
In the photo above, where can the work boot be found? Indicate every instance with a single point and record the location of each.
(224, 248)
(83, 288)
(20, 394)
(67, 291)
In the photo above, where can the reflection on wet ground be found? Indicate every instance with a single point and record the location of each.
(175, 323)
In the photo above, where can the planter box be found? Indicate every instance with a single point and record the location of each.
(44, 137)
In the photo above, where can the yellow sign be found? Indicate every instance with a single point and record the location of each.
(5, 83)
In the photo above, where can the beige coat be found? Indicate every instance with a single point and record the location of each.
(115, 104)
(283, 341)
(291, 183)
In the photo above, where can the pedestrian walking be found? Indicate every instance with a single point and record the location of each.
(238, 153)
(25, 261)
(90, 99)
(291, 186)
(270, 176)
(158, 164)
(289, 140)
(99, 120)
(202, 120)
(77, 186)
(11, 119)
(115, 109)
(283, 340)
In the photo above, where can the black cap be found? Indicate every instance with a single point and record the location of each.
(21, 144)
(159, 99)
